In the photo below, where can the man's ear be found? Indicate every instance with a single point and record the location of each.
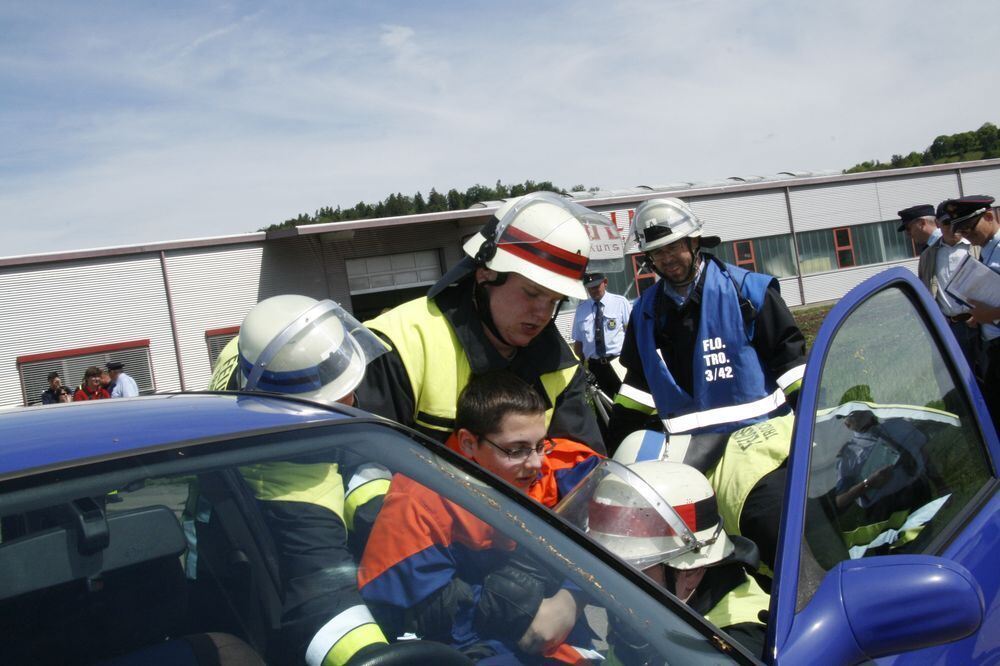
(484, 274)
(467, 442)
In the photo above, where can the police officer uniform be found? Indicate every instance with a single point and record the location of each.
(965, 214)
(599, 330)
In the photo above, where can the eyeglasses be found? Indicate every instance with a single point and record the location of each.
(543, 448)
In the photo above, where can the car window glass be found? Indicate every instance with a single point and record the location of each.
(196, 540)
(897, 454)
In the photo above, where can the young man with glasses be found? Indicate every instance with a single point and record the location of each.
(433, 569)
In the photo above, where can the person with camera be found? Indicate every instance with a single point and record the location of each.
(56, 392)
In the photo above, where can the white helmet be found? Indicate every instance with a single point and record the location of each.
(540, 236)
(643, 445)
(660, 222)
(312, 349)
(650, 512)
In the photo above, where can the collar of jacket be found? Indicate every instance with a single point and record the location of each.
(547, 352)
(719, 581)
(658, 308)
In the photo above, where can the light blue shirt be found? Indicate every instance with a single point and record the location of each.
(616, 312)
(125, 387)
(991, 257)
(946, 261)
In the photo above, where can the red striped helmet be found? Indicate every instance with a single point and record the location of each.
(540, 236)
(650, 512)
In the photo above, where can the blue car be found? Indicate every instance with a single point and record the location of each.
(118, 536)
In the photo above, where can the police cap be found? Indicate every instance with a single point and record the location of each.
(593, 279)
(907, 215)
(964, 212)
(115, 365)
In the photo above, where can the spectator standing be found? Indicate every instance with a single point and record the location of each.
(122, 385)
(599, 331)
(919, 224)
(944, 255)
(56, 392)
(974, 219)
(90, 388)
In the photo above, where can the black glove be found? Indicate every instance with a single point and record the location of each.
(509, 601)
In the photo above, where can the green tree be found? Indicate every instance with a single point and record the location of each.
(436, 202)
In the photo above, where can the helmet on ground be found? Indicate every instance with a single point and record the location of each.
(308, 348)
(650, 512)
(660, 222)
(540, 236)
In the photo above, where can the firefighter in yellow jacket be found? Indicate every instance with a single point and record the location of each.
(494, 310)
(313, 350)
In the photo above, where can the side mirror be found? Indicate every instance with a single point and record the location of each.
(880, 606)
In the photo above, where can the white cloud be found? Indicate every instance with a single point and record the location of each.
(141, 127)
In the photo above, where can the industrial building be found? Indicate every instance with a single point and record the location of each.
(167, 308)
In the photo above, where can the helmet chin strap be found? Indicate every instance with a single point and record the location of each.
(692, 269)
(482, 300)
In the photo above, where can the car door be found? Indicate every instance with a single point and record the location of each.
(891, 522)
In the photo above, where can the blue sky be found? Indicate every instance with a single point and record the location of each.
(131, 122)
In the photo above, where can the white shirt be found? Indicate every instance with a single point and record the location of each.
(945, 264)
(125, 387)
(616, 312)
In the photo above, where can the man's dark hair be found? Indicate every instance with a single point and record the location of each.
(491, 396)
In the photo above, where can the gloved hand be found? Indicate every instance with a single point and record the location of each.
(509, 601)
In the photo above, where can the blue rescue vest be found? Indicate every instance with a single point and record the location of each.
(731, 386)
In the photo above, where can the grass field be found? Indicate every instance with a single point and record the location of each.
(809, 320)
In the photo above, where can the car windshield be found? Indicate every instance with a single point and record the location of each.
(106, 559)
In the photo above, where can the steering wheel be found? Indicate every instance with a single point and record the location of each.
(405, 653)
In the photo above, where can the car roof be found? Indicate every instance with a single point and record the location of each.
(60, 435)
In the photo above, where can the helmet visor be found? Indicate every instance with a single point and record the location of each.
(607, 248)
(340, 352)
(539, 237)
(619, 510)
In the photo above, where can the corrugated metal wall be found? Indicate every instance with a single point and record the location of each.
(294, 266)
(834, 284)
(982, 181)
(68, 305)
(834, 205)
(79, 303)
(211, 288)
(790, 291)
(743, 215)
(895, 194)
